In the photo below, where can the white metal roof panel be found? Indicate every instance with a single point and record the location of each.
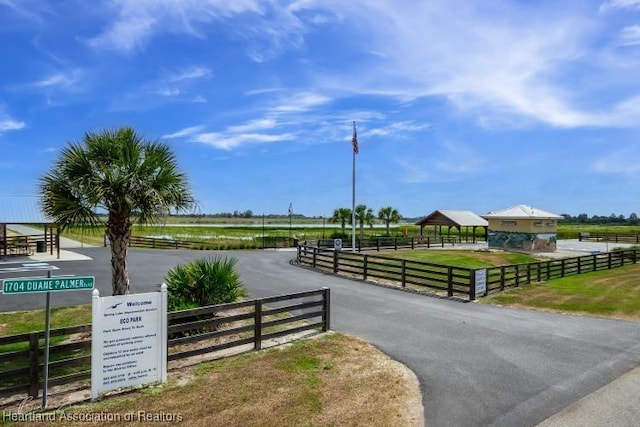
(21, 210)
(522, 211)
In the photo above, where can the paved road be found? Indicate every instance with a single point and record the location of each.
(477, 364)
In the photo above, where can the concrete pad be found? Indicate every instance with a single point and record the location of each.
(616, 404)
(65, 255)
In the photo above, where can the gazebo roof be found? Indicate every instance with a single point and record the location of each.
(453, 219)
(522, 211)
(21, 210)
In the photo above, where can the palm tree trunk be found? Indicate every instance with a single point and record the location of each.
(387, 222)
(119, 231)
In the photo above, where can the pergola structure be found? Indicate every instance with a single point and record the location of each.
(24, 210)
(454, 219)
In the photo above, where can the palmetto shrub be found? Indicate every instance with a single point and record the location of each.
(204, 281)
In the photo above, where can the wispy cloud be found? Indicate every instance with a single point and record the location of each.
(7, 123)
(182, 133)
(630, 36)
(299, 102)
(620, 4)
(56, 80)
(136, 23)
(620, 162)
(226, 142)
(192, 73)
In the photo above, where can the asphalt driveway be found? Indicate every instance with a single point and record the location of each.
(477, 364)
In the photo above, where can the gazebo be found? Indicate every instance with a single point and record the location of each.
(454, 219)
(25, 210)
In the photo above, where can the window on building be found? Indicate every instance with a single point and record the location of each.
(537, 223)
(508, 222)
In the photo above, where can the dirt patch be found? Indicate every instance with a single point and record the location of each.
(332, 379)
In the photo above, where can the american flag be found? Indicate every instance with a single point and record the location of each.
(354, 140)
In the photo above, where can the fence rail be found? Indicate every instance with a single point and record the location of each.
(26, 244)
(457, 280)
(161, 243)
(386, 243)
(190, 332)
(609, 237)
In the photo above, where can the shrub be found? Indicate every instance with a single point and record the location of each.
(204, 281)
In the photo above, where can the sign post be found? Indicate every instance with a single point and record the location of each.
(30, 285)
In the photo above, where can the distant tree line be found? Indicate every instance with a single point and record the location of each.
(612, 219)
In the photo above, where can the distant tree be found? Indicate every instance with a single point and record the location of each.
(633, 219)
(341, 216)
(121, 173)
(389, 215)
(364, 215)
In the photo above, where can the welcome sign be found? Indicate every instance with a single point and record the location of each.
(129, 340)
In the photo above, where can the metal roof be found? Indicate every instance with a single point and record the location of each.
(522, 211)
(21, 210)
(461, 218)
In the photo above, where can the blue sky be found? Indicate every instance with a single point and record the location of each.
(469, 105)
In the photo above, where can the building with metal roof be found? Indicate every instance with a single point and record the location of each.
(523, 228)
(453, 219)
(25, 210)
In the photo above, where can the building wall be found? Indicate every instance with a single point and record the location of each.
(523, 234)
(522, 241)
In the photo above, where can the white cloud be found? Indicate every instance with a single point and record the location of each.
(192, 73)
(7, 123)
(189, 131)
(253, 125)
(619, 4)
(300, 102)
(137, 22)
(630, 36)
(168, 92)
(199, 99)
(59, 79)
(621, 162)
(227, 142)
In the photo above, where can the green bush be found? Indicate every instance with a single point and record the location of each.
(204, 281)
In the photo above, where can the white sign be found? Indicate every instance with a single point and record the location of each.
(481, 282)
(337, 244)
(129, 340)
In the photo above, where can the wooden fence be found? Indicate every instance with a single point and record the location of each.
(190, 333)
(453, 280)
(387, 243)
(457, 280)
(610, 237)
(159, 243)
(27, 244)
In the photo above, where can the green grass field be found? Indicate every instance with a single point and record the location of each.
(611, 293)
(460, 258)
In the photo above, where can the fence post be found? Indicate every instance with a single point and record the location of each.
(378, 244)
(315, 255)
(412, 245)
(257, 324)
(34, 354)
(562, 267)
(595, 263)
(517, 275)
(335, 261)
(579, 265)
(528, 273)
(539, 272)
(364, 267)
(403, 274)
(635, 259)
(609, 261)
(472, 285)
(502, 274)
(395, 243)
(450, 281)
(326, 309)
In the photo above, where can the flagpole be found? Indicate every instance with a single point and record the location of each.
(353, 192)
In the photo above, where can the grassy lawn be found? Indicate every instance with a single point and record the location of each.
(613, 293)
(331, 380)
(460, 258)
(20, 322)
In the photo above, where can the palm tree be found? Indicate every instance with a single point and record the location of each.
(389, 215)
(341, 216)
(120, 172)
(364, 216)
